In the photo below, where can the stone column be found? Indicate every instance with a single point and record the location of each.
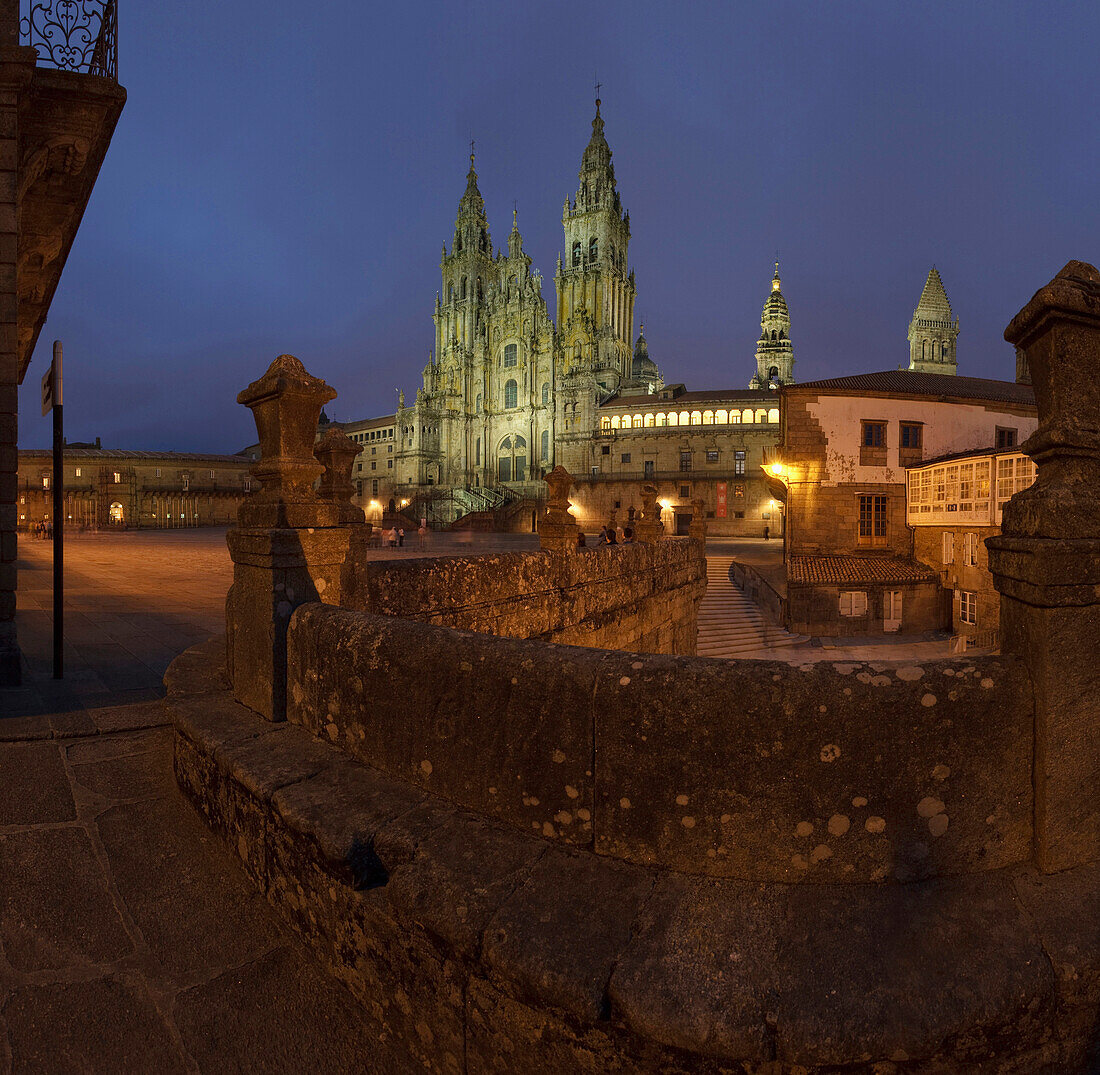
(558, 528)
(698, 527)
(16, 70)
(648, 527)
(1046, 563)
(290, 546)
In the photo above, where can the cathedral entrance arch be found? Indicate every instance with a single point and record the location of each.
(512, 459)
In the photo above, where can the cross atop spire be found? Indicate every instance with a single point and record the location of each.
(598, 85)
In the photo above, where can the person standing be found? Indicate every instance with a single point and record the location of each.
(401, 537)
(767, 532)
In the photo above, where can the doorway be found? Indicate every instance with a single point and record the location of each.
(891, 610)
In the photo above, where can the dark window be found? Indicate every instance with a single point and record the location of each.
(576, 254)
(618, 504)
(649, 467)
(739, 462)
(594, 250)
(511, 395)
(625, 457)
(685, 490)
(546, 444)
(1006, 438)
(912, 435)
(712, 455)
(374, 487)
(510, 354)
(874, 435)
(685, 460)
(605, 449)
(738, 514)
(872, 520)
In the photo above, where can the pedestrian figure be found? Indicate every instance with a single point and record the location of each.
(767, 532)
(628, 535)
(609, 537)
(401, 537)
(422, 533)
(581, 542)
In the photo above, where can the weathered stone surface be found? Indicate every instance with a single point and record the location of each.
(251, 1019)
(54, 904)
(889, 961)
(762, 771)
(88, 1026)
(34, 789)
(124, 767)
(699, 973)
(557, 937)
(449, 872)
(496, 725)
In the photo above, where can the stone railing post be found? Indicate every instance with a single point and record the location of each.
(1046, 563)
(558, 528)
(648, 527)
(290, 546)
(336, 452)
(698, 526)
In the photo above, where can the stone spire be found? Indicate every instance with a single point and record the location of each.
(934, 330)
(774, 351)
(515, 240)
(471, 225)
(597, 173)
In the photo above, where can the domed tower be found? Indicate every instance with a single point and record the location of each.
(644, 371)
(934, 330)
(595, 286)
(774, 352)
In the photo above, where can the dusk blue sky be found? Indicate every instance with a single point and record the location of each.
(284, 173)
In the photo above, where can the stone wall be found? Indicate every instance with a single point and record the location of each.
(976, 578)
(619, 752)
(638, 597)
(814, 608)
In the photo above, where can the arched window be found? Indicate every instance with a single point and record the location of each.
(613, 261)
(462, 289)
(781, 335)
(671, 420)
(746, 416)
(510, 352)
(773, 373)
(721, 418)
(477, 453)
(615, 421)
(637, 423)
(545, 445)
(484, 240)
(773, 335)
(451, 293)
(761, 416)
(576, 254)
(511, 394)
(708, 418)
(773, 415)
(685, 418)
(512, 459)
(458, 242)
(546, 394)
(594, 250)
(605, 424)
(649, 420)
(924, 350)
(735, 418)
(116, 512)
(477, 404)
(696, 418)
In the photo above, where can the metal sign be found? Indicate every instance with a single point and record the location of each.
(51, 383)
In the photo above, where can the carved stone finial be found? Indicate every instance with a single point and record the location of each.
(648, 527)
(1046, 562)
(336, 452)
(286, 404)
(558, 528)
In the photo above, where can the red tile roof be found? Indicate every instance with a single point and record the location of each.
(857, 569)
(909, 383)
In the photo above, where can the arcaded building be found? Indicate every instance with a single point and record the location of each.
(114, 488)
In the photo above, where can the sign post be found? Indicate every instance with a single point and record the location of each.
(51, 400)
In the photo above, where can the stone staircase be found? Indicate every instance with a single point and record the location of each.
(731, 625)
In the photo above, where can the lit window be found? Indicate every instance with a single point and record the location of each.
(739, 462)
(211, 474)
(605, 424)
(712, 455)
(156, 472)
(773, 416)
(510, 352)
(948, 547)
(45, 481)
(248, 485)
(78, 472)
(872, 521)
(118, 478)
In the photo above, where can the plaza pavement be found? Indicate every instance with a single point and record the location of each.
(130, 938)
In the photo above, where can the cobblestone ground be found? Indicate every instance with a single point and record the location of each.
(130, 939)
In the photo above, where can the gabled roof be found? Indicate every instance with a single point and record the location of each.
(909, 383)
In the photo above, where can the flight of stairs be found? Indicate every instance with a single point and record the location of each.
(731, 625)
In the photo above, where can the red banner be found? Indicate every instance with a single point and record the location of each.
(721, 500)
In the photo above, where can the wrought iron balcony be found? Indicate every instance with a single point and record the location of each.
(73, 35)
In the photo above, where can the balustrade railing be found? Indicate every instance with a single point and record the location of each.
(73, 35)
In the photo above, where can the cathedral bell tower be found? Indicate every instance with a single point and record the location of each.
(934, 330)
(774, 351)
(595, 287)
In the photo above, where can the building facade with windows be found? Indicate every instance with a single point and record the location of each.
(112, 488)
(952, 505)
(847, 444)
